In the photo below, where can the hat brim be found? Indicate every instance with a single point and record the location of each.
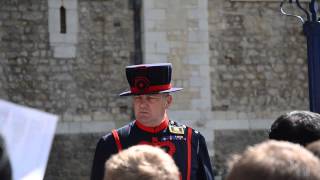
(129, 93)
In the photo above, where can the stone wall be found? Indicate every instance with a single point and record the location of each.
(241, 63)
(80, 88)
(258, 71)
(71, 156)
(227, 143)
(176, 31)
(258, 58)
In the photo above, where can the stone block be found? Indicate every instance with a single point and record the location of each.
(62, 128)
(155, 14)
(72, 21)
(97, 127)
(70, 4)
(64, 52)
(197, 48)
(77, 118)
(150, 47)
(67, 117)
(198, 36)
(203, 4)
(162, 47)
(149, 4)
(163, 4)
(242, 116)
(102, 116)
(200, 104)
(195, 82)
(74, 127)
(203, 25)
(231, 124)
(219, 115)
(205, 71)
(188, 115)
(207, 133)
(198, 59)
(54, 20)
(197, 13)
(149, 25)
(231, 115)
(155, 58)
(260, 123)
(152, 37)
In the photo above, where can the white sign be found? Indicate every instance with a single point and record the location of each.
(28, 134)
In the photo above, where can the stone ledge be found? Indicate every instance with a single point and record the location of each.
(84, 127)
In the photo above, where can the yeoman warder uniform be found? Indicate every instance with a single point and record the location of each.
(186, 146)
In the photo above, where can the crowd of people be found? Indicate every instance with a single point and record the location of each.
(153, 147)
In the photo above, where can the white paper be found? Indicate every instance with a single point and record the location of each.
(28, 134)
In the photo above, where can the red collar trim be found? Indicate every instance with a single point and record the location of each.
(164, 124)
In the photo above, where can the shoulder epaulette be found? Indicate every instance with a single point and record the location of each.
(176, 129)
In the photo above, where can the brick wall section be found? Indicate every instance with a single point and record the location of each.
(83, 88)
(71, 157)
(258, 58)
(227, 142)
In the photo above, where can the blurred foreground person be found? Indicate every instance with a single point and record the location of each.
(141, 162)
(314, 147)
(5, 167)
(274, 160)
(301, 127)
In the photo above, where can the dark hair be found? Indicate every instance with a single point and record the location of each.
(300, 127)
(5, 167)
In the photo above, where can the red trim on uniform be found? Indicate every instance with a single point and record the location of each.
(117, 139)
(150, 89)
(189, 153)
(164, 124)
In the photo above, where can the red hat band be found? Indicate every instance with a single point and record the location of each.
(150, 89)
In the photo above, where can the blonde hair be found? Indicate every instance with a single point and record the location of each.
(141, 162)
(274, 160)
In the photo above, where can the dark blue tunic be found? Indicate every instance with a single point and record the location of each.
(186, 146)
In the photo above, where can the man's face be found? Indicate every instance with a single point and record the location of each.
(150, 109)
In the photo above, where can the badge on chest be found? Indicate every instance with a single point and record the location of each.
(176, 130)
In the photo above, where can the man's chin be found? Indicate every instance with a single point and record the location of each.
(145, 121)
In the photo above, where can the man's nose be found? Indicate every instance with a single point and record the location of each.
(143, 102)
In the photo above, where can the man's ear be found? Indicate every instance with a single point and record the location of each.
(169, 100)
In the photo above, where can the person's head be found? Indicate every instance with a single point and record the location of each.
(314, 147)
(5, 167)
(141, 162)
(300, 127)
(150, 85)
(150, 109)
(270, 160)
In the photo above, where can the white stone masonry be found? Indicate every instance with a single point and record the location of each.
(176, 31)
(63, 44)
